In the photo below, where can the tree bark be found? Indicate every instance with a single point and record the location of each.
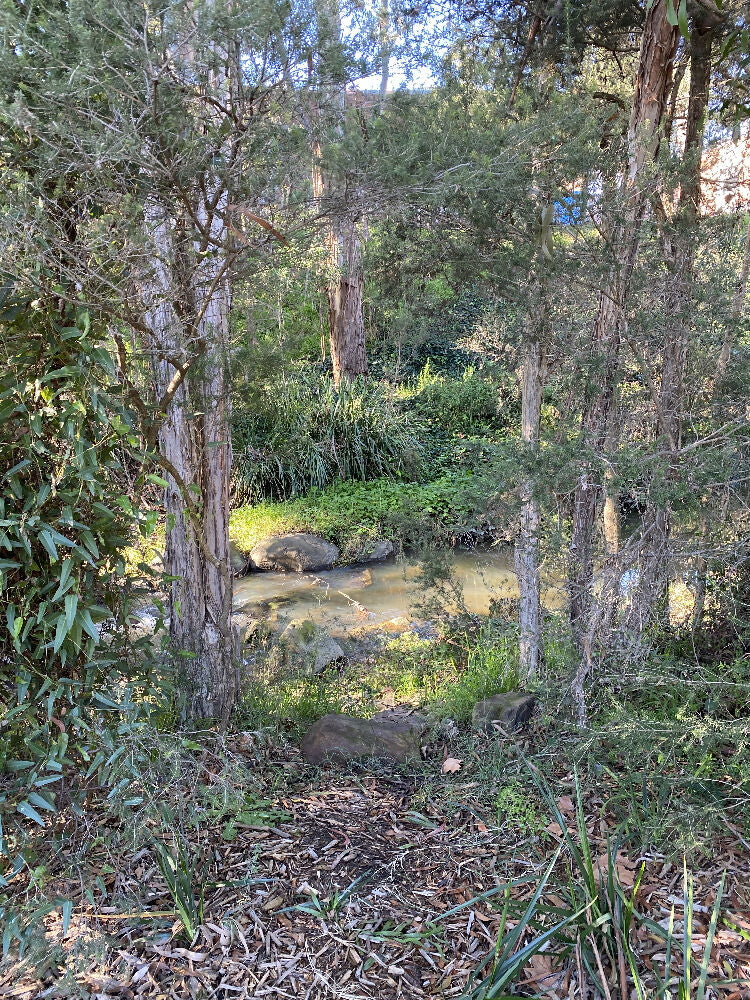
(650, 599)
(658, 46)
(344, 239)
(527, 544)
(195, 452)
(345, 314)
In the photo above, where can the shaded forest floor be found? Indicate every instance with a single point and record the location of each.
(374, 881)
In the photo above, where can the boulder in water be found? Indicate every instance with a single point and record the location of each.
(296, 553)
(376, 551)
(239, 562)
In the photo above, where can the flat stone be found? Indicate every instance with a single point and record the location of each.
(321, 652)
(510, 710)
(339, 738)
(403, 716)
(296, 553)
(245, 625)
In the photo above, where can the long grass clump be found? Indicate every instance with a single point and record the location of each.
(302, 432)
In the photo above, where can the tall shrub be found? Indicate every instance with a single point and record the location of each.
(64, 523)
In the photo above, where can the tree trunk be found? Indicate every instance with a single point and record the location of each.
(345, 315)
(658, 46)
(384, 25)
(345, 238)
(650, 600)
(527, 544)
(195, 450)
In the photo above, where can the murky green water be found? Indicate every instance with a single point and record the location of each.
(342, 599)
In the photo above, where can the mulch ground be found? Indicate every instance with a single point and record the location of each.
(410, 926)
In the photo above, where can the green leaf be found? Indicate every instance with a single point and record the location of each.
(26, 809)
(65, 570)
(106, 702)
(40, 802)
(61, 632)
(18, 765)
(87, 624)
(71, 606)
(17, 468)
(67, 912)
(45, 537)
(683, 21)
(709, 941)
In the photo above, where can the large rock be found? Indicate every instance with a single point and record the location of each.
(239, 562)
(376, 551)
(295, 553)
(245, 625)
(340, 738)
(314, 646)
(510, 711)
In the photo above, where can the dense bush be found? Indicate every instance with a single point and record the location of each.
(301, 432)
(63, 526)
(458, 405)
(449, 509)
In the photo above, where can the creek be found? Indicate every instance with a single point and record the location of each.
(352, 596)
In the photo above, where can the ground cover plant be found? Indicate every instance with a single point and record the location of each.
(443, 511)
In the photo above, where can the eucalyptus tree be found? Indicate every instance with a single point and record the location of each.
(340, 202)
(540, 59)
(141, 147)
(342, 199)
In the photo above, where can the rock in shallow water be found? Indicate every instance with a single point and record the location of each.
(239, 562)
(313, 646)
(339, 738)
(296, 553)
(376, 551)
(511, 710)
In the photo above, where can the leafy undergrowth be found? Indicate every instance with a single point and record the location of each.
(555, 862)
(379, 881)
(351, 513)
(445, 677)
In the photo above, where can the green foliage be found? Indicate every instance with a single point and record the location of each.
(185, 883)
(501, 969)
(445, 677)
(601, 921)
(63, 526)
(349, 513)
(459, 405)
(516, 808)
(302, 432)
(674, 782)
(330, 905)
